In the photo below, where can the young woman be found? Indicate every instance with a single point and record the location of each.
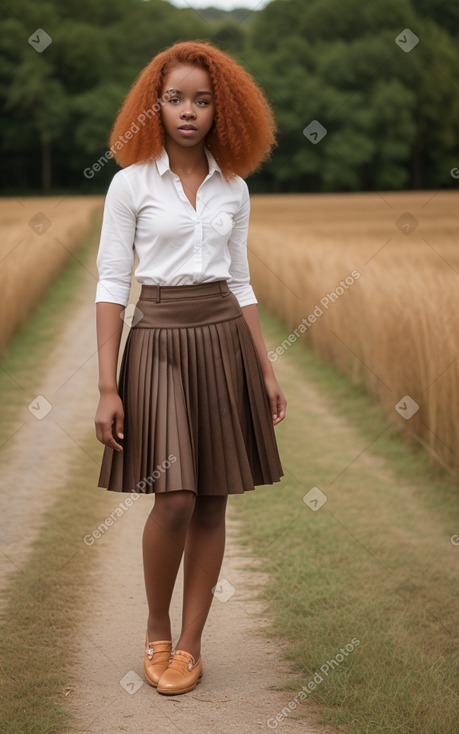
(191, 418)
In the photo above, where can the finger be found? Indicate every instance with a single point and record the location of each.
(105, 436)
(110, 441)
(112, 444)
(281, 410)
(119, 425)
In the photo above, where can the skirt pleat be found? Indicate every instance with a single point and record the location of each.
(197, 415)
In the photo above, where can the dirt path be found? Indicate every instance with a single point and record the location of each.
(35, 459)
(110, 694)
(240, 664)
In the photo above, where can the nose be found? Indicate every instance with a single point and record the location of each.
(187, 111)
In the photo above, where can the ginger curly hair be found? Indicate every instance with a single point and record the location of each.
(244, 129)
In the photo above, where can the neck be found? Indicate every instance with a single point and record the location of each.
(186, 160)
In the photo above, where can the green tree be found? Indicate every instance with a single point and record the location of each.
(66, 97)
(390, 116)
(44, 102)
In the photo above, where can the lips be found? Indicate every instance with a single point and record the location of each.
(187, 127)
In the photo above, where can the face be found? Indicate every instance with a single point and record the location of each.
(188, 114)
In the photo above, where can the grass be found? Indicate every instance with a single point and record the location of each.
(375, 562)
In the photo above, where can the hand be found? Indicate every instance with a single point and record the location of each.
(109, 414)
(277, 401)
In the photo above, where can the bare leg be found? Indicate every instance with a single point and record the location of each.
(204, 548)
(163, 542)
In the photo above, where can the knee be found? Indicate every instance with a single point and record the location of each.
(173, 509)
(209, 512)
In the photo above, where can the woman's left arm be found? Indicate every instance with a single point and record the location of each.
(276, 397)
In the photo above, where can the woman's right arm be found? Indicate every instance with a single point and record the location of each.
(110, 414)
(114, 261)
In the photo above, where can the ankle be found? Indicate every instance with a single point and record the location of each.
(191, 646)
(158, 630)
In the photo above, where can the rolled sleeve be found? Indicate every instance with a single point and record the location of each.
(115, 257)
(239, 281)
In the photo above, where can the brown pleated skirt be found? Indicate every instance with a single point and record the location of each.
(197, 415)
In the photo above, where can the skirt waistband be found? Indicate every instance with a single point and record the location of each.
(160, 293)
(177, 306)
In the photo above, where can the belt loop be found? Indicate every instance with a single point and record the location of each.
(221, 289)
(158, 293)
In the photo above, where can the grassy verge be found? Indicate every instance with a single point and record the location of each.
(40, 607)
(375, 563)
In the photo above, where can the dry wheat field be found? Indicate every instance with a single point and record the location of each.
(38, 236)
(370, 281)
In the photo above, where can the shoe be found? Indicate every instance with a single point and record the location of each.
(156, 659)
(182, 675)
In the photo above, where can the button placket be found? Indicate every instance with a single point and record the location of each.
(198, 239)
(179, 188)
(197, 249)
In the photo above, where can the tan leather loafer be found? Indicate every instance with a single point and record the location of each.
(182, 674)
(156, 659)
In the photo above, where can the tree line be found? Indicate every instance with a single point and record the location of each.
(365, 92)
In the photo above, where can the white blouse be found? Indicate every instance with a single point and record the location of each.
(147, 211)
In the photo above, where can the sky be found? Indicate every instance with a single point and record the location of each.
(223, 4)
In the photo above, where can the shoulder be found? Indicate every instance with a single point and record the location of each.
(238, 188)
(129, 181)
(134, 172)
(240, 184)
(233, 183)
(243, 190)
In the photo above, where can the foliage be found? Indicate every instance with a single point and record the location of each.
(389, 115)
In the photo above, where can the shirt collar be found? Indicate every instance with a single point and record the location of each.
(162, 162)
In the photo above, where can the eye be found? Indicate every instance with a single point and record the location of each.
(174, 99)
(203, 102)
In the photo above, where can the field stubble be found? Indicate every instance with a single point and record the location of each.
(393, 327)
(39, 236)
